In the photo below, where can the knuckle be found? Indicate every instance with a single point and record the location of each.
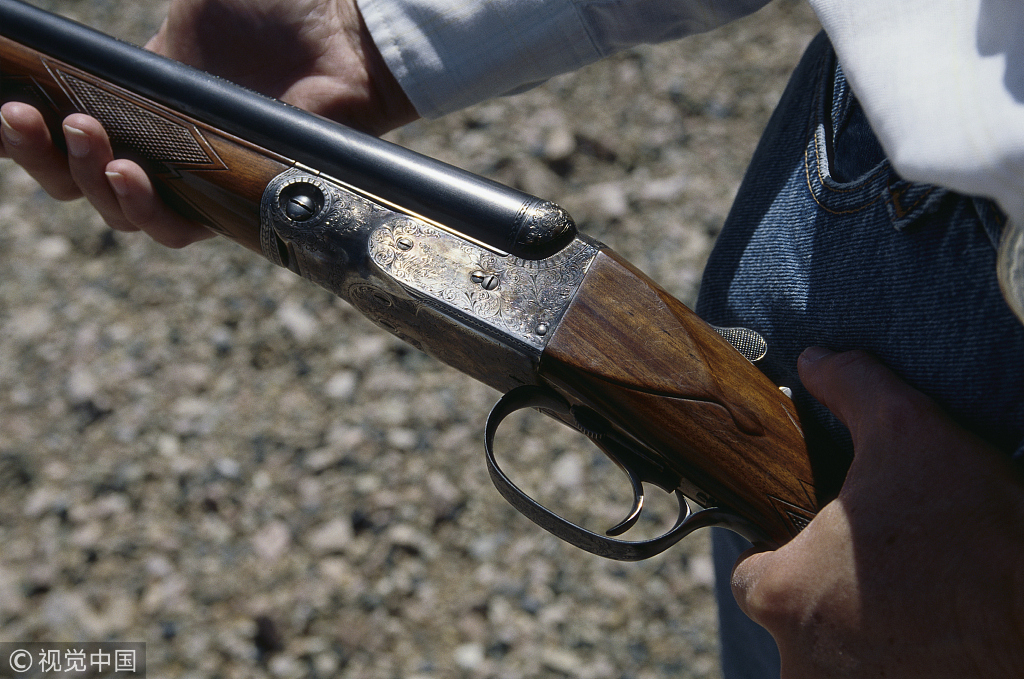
(769, 601)
(859, 365)
(118, 223)
(62, 190)
(55, 181)
(173, 233)
(174, 241)
(769, 590)
(904, 411)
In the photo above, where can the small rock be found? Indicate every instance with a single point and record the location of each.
(43, 500)
(81, 385)
(702, 570)
(52, 248)
(407, 537)
(561, 660)
(567, 471)
(271, 541)
(159, 566)
(296, 320)
(333, 536)
(469, 656)
(322, 458)
(610, 198)
(228, 468)
(342, 385)
(30, 323)
(559, 143)
(402, 438)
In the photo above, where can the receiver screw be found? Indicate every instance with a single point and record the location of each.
(487, 281)
(301, 201)
(404, 243)
(300, 208)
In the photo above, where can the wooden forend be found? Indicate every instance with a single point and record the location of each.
(204, 173)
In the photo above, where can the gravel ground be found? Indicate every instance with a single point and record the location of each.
(208, 454)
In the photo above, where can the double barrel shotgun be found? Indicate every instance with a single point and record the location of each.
(492, 281)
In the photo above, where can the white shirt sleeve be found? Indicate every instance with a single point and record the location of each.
(942, 83)
(449, 54)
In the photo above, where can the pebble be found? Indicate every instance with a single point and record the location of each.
(52, 248)
(567, 471)
(334, 536)
(342, 385)
(297, 320)
(272, 541)
(702, 570)
(469, 656)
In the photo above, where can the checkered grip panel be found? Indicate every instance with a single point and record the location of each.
(155, 137)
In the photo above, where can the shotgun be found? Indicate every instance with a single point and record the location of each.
(490, 280)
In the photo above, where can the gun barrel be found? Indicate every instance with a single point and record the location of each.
(503, 218)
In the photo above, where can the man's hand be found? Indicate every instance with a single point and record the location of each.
(917, 569)
(314, 54)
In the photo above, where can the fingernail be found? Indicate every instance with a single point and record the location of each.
(118, 183)
(12, 136)
(813, 354)
(78, 141)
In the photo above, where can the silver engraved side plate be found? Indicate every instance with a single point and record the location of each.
(520, 298)
(485, 312)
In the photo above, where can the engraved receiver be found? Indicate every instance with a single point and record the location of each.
(492, 281)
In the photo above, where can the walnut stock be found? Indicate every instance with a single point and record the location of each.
(630, 351)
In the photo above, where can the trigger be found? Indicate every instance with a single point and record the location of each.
(638, 504)
(600, 432)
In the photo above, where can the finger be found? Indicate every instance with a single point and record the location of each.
(750, 570)
(865, 395)
(145, 210)
(89, 152)
(771, 587)
(775, 589)
(27, 141)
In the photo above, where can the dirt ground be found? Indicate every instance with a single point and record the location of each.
(206, 453)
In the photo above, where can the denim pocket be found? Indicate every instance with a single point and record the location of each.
(836, 196)
(846, 168)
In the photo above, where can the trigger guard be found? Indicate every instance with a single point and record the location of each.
(621, 550)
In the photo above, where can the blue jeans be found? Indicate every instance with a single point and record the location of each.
(826, 245)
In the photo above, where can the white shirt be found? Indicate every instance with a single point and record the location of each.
(941, 81)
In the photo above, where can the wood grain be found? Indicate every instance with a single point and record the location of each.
(204, 173)
(631, 351)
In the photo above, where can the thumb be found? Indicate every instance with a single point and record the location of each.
(858, 389)
(750, 570)
(776, 588)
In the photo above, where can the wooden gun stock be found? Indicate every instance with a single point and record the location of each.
(629, 350)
